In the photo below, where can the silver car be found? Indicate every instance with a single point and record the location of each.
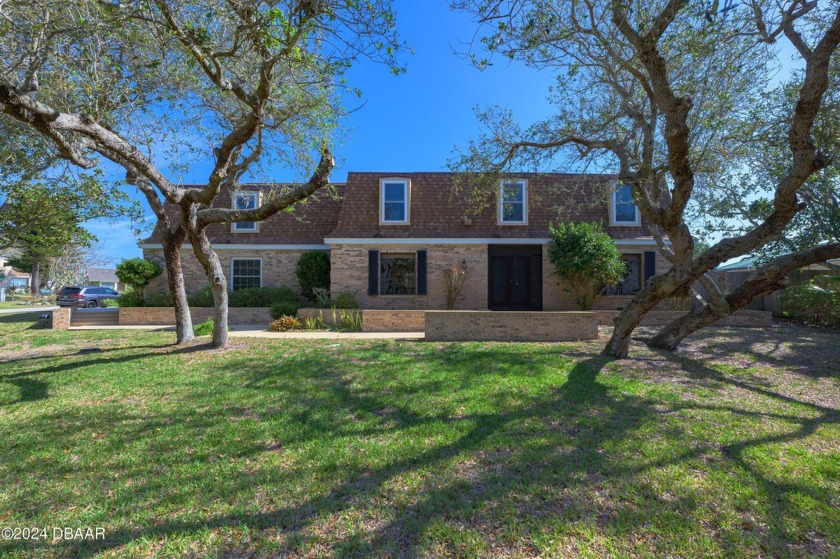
(88, 297)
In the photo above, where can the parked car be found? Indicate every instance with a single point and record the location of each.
(89, 296)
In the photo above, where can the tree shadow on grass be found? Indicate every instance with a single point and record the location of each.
(535, 460)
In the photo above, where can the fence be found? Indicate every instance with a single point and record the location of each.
(730, 281)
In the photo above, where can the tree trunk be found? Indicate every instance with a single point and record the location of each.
(628, 319)
(35, 279)
(172, 243)
(218, 283)
(766, 279)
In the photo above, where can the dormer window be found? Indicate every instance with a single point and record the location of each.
(513, 202)
(394, 201)
(623, 210)
(245, 201)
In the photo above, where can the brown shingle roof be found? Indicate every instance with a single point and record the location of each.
(309, 224)
(436, 211)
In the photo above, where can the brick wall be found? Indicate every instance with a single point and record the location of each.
(278, 268)
(510, 326)
(164, 316)
(349, 272)
(60, 319)
(658, 319)
(393, 321)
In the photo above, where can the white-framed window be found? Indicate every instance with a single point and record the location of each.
(245, 272)
(397, 274)
(623, 210)
(394, 201)
(513, 202)
(245, 201)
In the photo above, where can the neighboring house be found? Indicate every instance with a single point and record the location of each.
(392, 235)
(747, 264)
(104, 277)
(13, 279)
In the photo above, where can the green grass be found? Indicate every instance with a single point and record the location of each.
(387, 449)
(17, 305)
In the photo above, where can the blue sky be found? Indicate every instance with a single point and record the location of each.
(409, 122)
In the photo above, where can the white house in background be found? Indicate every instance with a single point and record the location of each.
(13, 279)
(104, 277)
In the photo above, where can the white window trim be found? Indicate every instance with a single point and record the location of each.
(232, 260)
(234, 225)
(635, 223)
(500, 214)
(406, 189)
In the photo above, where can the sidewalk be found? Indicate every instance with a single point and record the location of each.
(248, 331)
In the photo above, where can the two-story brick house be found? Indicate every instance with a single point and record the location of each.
(391, 236)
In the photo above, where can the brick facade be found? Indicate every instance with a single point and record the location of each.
(349, 272)
(506, 326)
(278, 268)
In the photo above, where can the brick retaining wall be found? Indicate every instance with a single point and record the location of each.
(164, 316)
(657, 319)
(511, 326)
(60, 319)
(393, 321)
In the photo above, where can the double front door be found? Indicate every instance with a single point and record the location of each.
(515, 277)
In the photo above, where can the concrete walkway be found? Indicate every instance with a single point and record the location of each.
(247, 331)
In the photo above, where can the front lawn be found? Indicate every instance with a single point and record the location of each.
(730, 448)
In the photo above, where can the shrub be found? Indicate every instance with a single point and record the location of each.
(811, 302)
(158, 299)
(284, 308)
(350, 321)
(346, 300)
(284, 324)
(322, 297)
(201, 298)
(586, 259)
(454, 276)
(250, 297)
(137, 273)
(313, 271)
(204, 329)
(316, 323)
(129, 299)
(261, 296)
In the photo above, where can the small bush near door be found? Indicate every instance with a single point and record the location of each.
(586, 258)
(313, 271)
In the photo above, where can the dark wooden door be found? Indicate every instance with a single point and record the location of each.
(511, 284)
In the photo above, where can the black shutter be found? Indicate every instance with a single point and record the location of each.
(650, 265)
(422, 267)
(373, 272)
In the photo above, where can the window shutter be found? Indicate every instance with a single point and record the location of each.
(650, 265)
(422, 267)
(373, 272)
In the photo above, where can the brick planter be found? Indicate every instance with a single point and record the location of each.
(506, 326)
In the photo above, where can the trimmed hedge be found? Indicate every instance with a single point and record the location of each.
(312, 271)
(250, 297)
